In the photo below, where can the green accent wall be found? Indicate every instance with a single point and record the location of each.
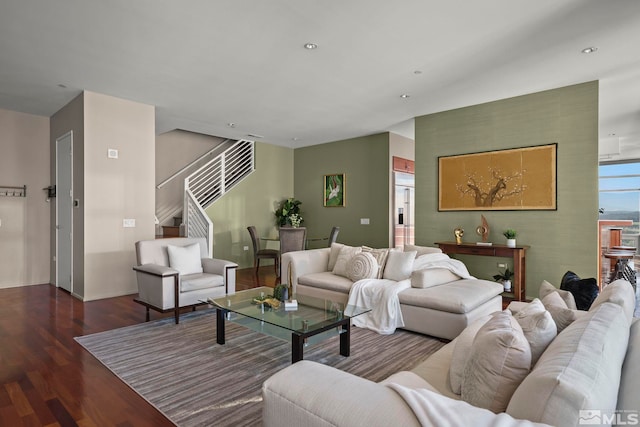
(560, 240)
(365, 163)
(252, 202)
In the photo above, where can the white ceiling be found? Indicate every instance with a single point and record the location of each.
(207, 63)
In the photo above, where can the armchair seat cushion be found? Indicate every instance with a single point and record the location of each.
(194, 282)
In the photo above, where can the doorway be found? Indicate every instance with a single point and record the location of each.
(403, 207)
(64, 212)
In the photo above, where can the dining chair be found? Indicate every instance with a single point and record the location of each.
(292, 239)
(334, 235)
(259, 253)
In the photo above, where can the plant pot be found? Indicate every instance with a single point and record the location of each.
(511, 243)
(507, 285)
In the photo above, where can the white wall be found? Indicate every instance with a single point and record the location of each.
(24, 229)
(115, 189)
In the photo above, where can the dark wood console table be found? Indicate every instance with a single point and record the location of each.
(517, 254)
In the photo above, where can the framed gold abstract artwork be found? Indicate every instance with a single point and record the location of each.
(513, 179)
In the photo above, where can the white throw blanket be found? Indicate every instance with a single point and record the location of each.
(433, 409)
(430, 261)
(381, 296)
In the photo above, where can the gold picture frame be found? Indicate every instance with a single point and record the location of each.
(511, 179)
(333, 193)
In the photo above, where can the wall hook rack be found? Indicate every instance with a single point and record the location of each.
(12, 191)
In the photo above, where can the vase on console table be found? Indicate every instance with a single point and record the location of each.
(511, 243)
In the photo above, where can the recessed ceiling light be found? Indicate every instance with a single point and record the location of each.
(62, 86)
(231, 124)
(294, 138)
(405, 96)
(589, 49)
(310, 46)
(253, 135)
(417, 72)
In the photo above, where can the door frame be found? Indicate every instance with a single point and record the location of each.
(58, 209)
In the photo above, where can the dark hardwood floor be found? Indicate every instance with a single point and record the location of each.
(49, 380)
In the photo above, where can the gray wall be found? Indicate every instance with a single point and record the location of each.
(24, 228)
(561, 240)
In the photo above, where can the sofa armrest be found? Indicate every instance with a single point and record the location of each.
(303, 262)
(156, 270)
(312, 394)
(227, 269)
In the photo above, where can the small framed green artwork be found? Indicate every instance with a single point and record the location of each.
(334, 190)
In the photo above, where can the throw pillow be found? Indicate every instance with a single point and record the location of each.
(461, 352)
(422, 250)
(346, 253)
(500, 358)
(538, 327)
(381, 257)
(546, 288)
(185, 259)
(562, 316)
(362, 266)
(399, 265)
(618, 292)
(333, 255)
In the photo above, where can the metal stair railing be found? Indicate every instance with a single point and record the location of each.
(212, 181)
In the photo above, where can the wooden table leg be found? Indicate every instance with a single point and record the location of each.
(220, 315)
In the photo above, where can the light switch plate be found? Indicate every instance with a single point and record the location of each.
(112, 153)
(128, 222)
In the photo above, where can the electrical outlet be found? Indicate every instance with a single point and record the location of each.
(246, 248)
(502, 265)
(364, 221)
(128, 223)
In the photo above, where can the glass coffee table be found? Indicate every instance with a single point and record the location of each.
(313, 320)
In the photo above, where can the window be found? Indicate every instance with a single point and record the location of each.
(619, 186)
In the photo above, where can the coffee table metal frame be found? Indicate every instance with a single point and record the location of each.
(340, 320)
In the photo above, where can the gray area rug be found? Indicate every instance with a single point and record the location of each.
(184, 373)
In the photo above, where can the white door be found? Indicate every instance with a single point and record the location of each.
(64, 212)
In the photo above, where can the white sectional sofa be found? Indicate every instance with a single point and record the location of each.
(438, 303)
(588, 374)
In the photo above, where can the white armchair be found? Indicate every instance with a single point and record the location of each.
(178, 272)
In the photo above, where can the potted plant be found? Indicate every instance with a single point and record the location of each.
(510, 234)
(288, 213)
(504, 277)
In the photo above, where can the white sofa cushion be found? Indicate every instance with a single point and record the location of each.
(399, 265)
(580, 370)
(194, 282)
(362, 266)
(326, 280)
(345, 255)
(381, 256)
(538, 326)
(546, 288)
(185, 259)
(333, 255)
(460, 296)
(561, 314)
(618, 292)
(432, 277)
(462, 351)
(500, 359)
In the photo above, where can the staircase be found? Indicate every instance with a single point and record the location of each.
(212, 181)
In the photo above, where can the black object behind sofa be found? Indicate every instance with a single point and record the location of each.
(584, 290)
